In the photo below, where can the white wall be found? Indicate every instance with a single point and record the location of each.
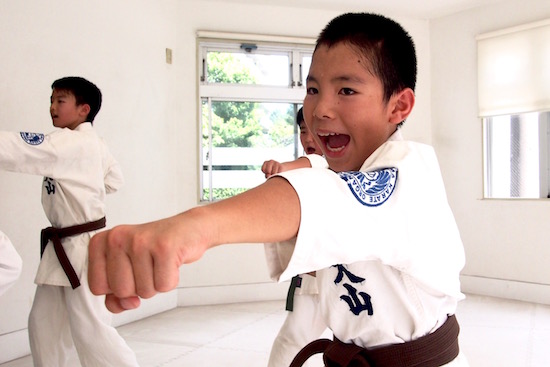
(149, 118)
(119, 45)
(507, 242)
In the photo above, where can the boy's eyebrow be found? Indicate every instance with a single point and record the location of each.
(348, 78)
(310, 78)
(340, 78)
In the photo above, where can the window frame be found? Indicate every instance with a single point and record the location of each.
(292, 93)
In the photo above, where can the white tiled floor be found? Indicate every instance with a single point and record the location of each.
(494, 332)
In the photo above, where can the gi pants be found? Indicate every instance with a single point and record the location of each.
(302, 325)
(62, 318)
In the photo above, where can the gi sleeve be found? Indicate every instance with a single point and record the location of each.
(39, 154)
(18, 149)
(278, 254)
(317, 161)
(113, 176)
(10, 263)
(403, 221)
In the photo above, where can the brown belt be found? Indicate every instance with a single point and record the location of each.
(432, 350)
(56, 234)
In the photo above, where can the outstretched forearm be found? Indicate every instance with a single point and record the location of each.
(133, 261)
(267, 213)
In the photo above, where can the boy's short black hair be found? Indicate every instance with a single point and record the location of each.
(383, 42)
(300, 116)
(84, 91)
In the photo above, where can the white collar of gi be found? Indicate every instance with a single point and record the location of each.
(396, 136)
(84, 126)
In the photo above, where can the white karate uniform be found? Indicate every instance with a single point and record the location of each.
(384, 244)
(79, 170)
(10, 263)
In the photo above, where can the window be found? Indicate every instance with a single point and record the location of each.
(514, 105)
(250, 92)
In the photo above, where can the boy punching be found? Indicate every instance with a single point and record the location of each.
(376, 227)
(78, 171)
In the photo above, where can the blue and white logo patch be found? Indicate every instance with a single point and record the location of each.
(371, 188)
(32, 138)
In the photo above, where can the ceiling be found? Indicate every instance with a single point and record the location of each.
(423, 9)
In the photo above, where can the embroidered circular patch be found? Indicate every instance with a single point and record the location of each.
(32, 138)
(371, 188)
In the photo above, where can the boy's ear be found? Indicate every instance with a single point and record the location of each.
(401, 105)
(85, 109)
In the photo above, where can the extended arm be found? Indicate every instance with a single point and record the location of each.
(271, 167)
(133, 261)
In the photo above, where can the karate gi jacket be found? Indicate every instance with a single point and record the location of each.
(383, 242)
(78, 171)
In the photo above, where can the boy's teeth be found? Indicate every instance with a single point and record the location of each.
(334, 149)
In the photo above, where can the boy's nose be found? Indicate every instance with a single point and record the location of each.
(322, 109)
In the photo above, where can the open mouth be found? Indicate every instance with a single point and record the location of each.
(334, 142)
(310, 150)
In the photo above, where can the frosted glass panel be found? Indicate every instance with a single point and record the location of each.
(516, 156)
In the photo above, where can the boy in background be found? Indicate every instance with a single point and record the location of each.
(303, 322)
(78, 171)
(376, 227)
(272, 167)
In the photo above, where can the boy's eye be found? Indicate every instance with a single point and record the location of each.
(311, 90)
(347, 91)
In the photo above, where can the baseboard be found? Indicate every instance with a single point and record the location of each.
(500, 288)
(211, 295)
(14, 345)
(509, 289)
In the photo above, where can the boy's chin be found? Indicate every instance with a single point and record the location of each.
(342, 164)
